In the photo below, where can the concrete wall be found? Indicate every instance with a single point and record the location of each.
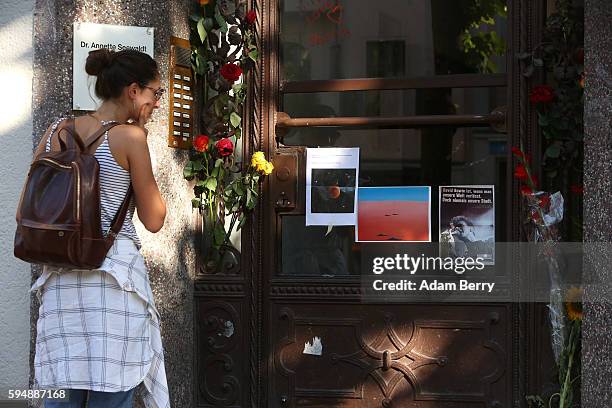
(169, 254)
(15, 155)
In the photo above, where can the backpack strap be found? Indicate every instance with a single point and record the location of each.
(69, 126)
(119, 218)
(93, 138)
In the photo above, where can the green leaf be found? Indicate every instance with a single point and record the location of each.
(528, 71)
(195, 17)
(235, 119)
(201, 64)
(218, 162)
(241, 221)
(542, 119)
(211, 183)
(197, 165)
(202, 30)
(218, 234)
(249, 199)
(221, 21)
(239, 189)
(188, 171)
(538, 62)
(196, 202)
(208, 23)
(553, 151)
(254, 55)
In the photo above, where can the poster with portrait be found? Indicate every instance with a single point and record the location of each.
(331, 186)
(467, 222)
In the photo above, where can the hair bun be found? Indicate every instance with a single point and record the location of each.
(98, 60)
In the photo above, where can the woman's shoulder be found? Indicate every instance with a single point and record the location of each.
(130, 131)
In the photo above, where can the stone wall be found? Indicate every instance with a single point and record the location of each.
(597, 325)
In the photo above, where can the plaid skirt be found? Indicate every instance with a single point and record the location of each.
(98, 329)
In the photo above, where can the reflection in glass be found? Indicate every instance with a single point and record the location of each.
(313, 251)
(405, 102)
(431, 156)
(334, 39)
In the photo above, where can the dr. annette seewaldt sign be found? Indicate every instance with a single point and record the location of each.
(89, 37)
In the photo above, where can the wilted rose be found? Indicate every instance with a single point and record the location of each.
(225, 147)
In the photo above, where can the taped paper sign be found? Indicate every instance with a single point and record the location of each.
(315, 349)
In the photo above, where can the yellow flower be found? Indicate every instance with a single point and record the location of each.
(573, 304)
(257, 159)
(259, 163)
(204, 2)
(268, 169)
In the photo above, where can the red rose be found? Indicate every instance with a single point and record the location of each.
(541, 94)
(525, 190)
(200, 143)
(517, 152)
(231, 72)
(225, 147)
(544, 201)
(251, 16)
(576, 189)
(520, 172)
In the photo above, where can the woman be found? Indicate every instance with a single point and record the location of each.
(98, 330)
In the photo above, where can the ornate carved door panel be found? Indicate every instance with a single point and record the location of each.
(390, 356)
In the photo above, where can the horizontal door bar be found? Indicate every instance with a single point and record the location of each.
(369, 84)
(495, 118)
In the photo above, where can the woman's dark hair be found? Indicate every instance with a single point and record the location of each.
(116, 70)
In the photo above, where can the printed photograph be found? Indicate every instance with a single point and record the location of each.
(394, 214)
(467, 222)
(333, 190)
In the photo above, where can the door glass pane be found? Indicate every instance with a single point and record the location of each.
(432, 156)
(335, 39)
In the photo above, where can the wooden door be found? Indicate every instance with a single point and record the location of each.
(415, 85)
(419, 88)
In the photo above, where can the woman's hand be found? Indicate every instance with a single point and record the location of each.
(144, 115)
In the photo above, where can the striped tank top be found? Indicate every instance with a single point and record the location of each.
(114, 183)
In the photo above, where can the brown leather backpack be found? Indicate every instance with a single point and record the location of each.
(58, 217)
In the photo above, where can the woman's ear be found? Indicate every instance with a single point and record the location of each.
(132, 90)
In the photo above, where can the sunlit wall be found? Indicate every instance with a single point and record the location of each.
(15, 156)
